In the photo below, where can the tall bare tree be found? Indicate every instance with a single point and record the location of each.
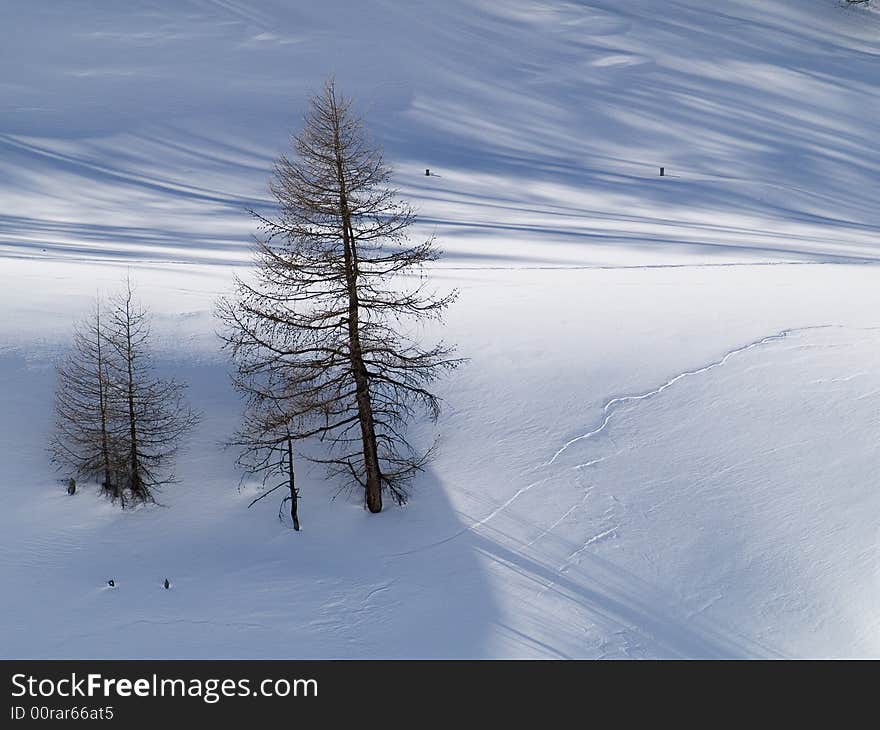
(86, 419)
(319, 331)
(154, 411)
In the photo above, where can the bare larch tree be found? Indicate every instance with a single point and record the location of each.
(265, 440)
(154, 411)
(319, 332)
(85, 416)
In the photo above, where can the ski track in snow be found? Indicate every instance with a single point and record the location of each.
(571, 509)
(473, 525)
(571, 559)
(609, 409)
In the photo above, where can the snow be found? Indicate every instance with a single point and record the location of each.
(664, 442)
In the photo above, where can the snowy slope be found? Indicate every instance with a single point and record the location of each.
(145, 132)
(665, 441)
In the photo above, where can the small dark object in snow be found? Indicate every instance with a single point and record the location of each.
(71, 486)
(111, 583)
(167, 584)
(428, 173)
(662, 172)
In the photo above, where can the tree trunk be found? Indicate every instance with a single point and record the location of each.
(293, 494)
(137, 488)
(102, 400)
(373, 485)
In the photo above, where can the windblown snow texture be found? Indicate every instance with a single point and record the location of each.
(665, 441)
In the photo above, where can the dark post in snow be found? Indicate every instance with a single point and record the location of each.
(662, 171)
(427, 172)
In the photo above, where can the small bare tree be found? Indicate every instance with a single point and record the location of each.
(266, 442)
(86, 417)
(318, 333)
(115, 421)
(154, 411)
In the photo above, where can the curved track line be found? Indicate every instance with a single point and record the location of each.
(609, 408)
(473, 525)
